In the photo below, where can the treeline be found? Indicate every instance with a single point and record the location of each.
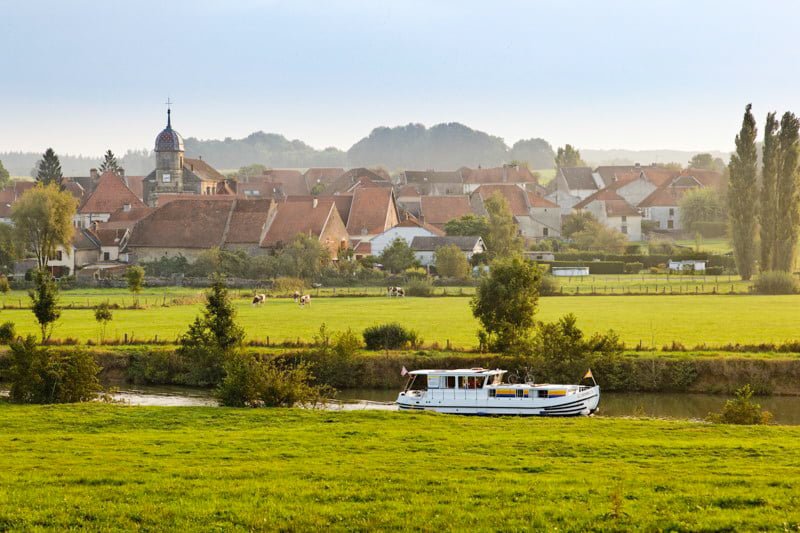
(135, 162)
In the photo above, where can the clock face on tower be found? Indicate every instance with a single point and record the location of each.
(166, 178)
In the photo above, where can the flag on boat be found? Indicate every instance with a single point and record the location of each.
(404, 372)
(588, 374)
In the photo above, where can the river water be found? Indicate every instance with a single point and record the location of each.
(786, 409)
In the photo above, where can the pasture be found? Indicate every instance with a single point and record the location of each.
(653, 320)
(105, 467)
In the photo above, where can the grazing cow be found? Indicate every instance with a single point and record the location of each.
(296, 296)
(395, 291)
(305, 300)
(259, 299)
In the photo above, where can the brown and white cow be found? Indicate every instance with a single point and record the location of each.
(296, 296)
(395, 291)
(305, 300)
(259, 299)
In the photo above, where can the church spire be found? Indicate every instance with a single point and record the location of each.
(169, 112)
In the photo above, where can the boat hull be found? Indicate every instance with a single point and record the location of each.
(581, 404)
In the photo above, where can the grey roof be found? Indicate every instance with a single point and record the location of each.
(426, 244)
(432, 176)
(169, 140)
(579, 178)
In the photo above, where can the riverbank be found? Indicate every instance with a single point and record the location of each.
(111, 467)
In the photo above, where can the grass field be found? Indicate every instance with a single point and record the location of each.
(717, 246)
(105, 467)
(653, 320)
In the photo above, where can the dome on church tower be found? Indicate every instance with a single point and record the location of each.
(169, 140)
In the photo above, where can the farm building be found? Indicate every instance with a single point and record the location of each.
(425, 247)
(696, 265)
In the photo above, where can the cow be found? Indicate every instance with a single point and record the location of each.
(296, 296)
(259, 299)
(305, 300)
(395, 291)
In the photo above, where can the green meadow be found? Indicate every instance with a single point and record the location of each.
(651, 320)
(105, 467)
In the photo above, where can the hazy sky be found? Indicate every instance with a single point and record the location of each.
(84, 76)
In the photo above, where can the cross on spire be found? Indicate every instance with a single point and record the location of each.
(169, 111)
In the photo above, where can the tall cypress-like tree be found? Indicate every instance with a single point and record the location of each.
(109, 162)
(742, 192)
(788, 192)
(769, 193)
(49, 170)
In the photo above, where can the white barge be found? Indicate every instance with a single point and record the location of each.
(478, 391)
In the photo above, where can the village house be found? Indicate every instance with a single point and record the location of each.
(439, 210)
(109, 196)
(317, 217)
(519, 175)
(425, 247)
(408, 199)
(406, 230)
(367, 212)
(434, 183)
(662, 207)
(318, 180)
(572, 185)
(536, 217)
(611, 210)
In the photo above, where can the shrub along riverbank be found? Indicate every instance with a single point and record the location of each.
(126, 468)
(707, 372)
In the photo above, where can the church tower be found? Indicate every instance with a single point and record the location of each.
(169, 160)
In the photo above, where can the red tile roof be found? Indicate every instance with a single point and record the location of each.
(109, 237)
(136, 185)
(411, 222)
(370, 212)
(299, 215)
(121, 219)
(247, 221)
(408, 190)
(293, 182)
(202, 169)
(659, 176)
(512, 194)
(198, 222)
(661, 197)
(110, 195)
(537, 201)
(440, 210)
(615, 205)
(709, 178)
(504, 174)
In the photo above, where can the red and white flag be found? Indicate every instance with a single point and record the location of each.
(404, 372)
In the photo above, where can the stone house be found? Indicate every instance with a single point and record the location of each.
(611, 210)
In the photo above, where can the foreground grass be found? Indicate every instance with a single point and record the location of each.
(111, 467)
(652, 320)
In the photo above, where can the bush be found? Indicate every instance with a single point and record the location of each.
(741, 410)
(633, 249)
(710, 230)
(775, 282)
(390, 337)
(156, 368)
(333, 358)
(7, 333)
(38, 375)
(714, 271)
(633, 268)
(251, 382)
(4, 285)
(419, 287)
(548, 285)
(287, 285)
(655, 270)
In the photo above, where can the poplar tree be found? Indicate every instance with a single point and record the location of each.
(49, 170)
(502, 239)
(742, 193)
(769, 193)
(788, 211)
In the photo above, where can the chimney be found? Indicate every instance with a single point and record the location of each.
(314, 203)
(94, 174)
(200, 157)
(126, 207)
(121, 172)
(637, 165)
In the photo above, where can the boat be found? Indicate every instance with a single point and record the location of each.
(478, 391)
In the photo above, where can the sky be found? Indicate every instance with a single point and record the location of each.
(85, 76)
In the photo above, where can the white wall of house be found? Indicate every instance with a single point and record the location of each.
(628, 225)
(668, 218)
(113, 253)
(428, 257)
(63, 257)
(85, 220)
(564, 200)
(379, 242)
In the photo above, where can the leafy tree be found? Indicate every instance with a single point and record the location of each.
(537, 153)
(700, 205)
(742, 193)
(49, 169)
(788, 194)
(502, 239)
(468, 226)
(102, 314)
(43, 220)
(597, 237)
(44, 302)
(250, 171)
(10, 246)
(451, 262)
(5, 177)
(569, 157)
(671, 166)
(109, 163)
(211, 338)
(702, 161)
(134, 276)
(304, 257)
(505, 303)
(398, 256)
(575, 222)
(769, 193)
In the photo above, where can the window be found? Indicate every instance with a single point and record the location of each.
(492, 393)
(106, 256)
(519, 393)
(59, 255)
(624, 230)
(545, 232)
(670, 224)
(450, 382)
(624, 218)
(672, 211)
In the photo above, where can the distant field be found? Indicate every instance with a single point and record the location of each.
(717, 246)
(653, 320)
(545, 175)
(102, 467)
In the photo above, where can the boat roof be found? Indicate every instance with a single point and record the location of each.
(459, 372)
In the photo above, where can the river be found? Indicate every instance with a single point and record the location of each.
(786, 409)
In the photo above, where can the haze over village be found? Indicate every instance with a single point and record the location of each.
(299, 266)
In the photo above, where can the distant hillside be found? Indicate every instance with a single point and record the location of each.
(629, 157)
(135, 163)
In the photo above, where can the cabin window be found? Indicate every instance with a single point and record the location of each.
(434, 382)
(450, 382)
(492, 393)
(519, 393)
(541, 393)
